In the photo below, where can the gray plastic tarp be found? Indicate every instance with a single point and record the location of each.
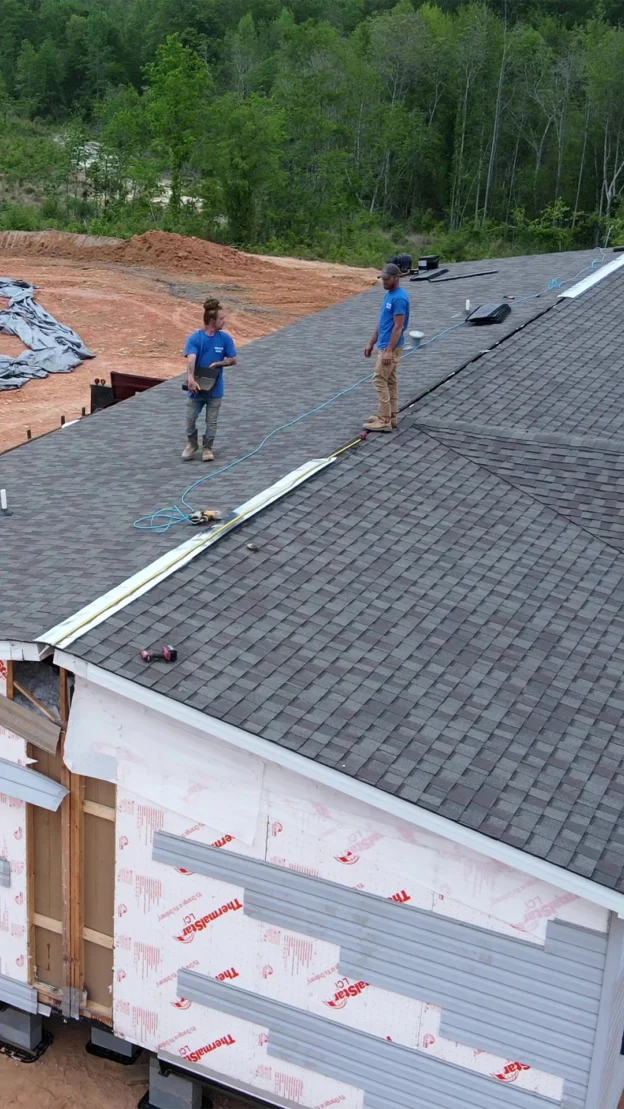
(53, 348)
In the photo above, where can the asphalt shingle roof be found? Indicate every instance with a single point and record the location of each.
(413, 622)
(439, 614)
(75, 494)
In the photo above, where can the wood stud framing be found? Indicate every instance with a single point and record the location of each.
(72, 853)
(71, 996)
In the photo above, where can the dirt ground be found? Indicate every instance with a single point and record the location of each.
(66, 1077)
(133, 303)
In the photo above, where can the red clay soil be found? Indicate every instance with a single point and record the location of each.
(154, 248)
(134, 302)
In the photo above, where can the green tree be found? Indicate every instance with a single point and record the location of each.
(5, 101)
(123, 120)
(39, 79)
(178, 89)
(245, 53)
(249, 138)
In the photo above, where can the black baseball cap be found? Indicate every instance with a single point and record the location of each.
(390, 270)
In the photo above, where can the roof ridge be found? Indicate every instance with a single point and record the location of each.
(498, 431)
(481, 354)
(507, 479)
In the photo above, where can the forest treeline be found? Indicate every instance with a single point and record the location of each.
(324, 126)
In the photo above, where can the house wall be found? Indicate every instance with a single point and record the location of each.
(13, 846)
(607, 1079)
(461, 980)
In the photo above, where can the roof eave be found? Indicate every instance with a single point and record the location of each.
(13, 650)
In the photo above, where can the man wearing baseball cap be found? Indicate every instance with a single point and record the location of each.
(389, 337)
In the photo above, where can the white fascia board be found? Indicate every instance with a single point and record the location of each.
(592, 279)
(14, 651)
(63, 634)
(342, 783)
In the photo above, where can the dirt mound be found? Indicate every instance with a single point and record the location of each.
(62, 244)
(189, 254)
(153, 249)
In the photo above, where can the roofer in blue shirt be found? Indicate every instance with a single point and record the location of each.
(207, 352)
(389, 337)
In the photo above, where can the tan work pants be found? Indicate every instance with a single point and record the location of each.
(387, 386)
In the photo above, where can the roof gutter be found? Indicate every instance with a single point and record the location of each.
(342, 783)
(592, 279)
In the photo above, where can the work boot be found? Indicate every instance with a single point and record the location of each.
(394, 422)
(207, 455)
(377, 424)
(189, 452)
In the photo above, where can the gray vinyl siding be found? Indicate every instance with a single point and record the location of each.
(536, 1005)
(5, 873)
(607, 1075)
(31, 786)
(391, 1075)
(19, 995)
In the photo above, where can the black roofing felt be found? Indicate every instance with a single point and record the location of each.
(440, 613)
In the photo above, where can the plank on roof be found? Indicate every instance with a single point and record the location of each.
(29, 725)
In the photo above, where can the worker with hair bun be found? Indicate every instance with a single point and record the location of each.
(207, 352)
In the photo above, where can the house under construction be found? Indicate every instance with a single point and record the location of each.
(359, 841)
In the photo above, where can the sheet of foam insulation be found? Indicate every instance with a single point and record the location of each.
(14, 899)
(167, 919)
(178, 768)
(319, 831)
(163, 918)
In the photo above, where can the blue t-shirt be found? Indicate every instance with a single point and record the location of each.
(395, 303)
(208, 349)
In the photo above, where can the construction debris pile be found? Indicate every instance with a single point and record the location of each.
(53, 348)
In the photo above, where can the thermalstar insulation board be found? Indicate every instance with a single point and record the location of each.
(207, 917)
(14, 898)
